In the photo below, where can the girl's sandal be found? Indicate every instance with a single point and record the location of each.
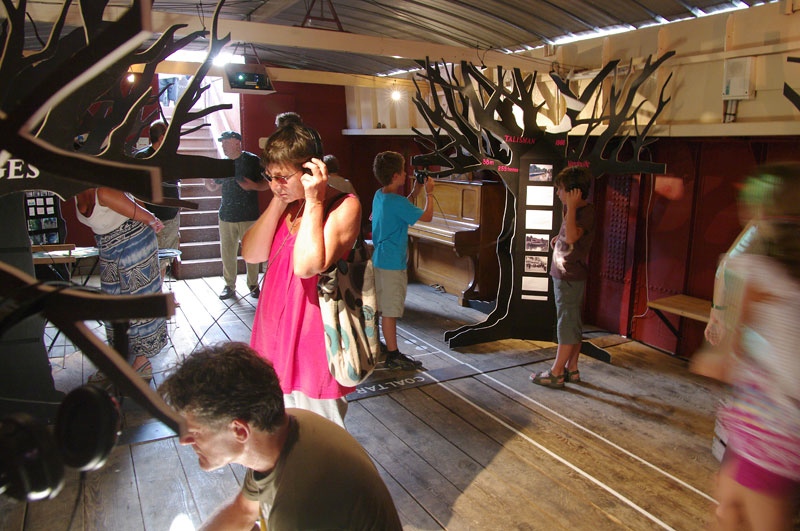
(546, 379)
(572, 376)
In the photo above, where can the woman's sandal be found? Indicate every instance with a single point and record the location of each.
(546, 379)
(144, 371)
(572, 376)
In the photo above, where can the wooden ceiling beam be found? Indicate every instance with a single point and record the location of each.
(290, 75)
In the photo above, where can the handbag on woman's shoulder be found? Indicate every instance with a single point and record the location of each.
(348, 302)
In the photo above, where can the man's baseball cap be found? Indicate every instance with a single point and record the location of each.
(228, 135)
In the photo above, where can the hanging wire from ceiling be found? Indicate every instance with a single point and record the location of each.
(201, 15)
(478, 53)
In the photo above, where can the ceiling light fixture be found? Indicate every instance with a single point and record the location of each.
(396, 94)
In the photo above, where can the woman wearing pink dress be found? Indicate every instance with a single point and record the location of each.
(304, 230)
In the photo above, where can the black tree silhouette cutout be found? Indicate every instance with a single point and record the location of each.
(473, 127)
(42, 95)
(791, 94)
(86, 69)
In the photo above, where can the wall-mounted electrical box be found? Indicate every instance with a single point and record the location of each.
(738, 81)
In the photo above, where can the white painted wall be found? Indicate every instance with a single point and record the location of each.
(769, 34)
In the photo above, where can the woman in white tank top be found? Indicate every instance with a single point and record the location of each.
(125, 233)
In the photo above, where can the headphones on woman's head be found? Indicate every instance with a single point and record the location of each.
(32, 457)
(318, 149)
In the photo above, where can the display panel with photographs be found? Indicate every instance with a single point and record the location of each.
(535, 264)
(537, 243)
(542, 173)
(43, 217)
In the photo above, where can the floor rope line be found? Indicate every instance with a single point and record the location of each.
(547, 451)
(584, 474)
(559, 415)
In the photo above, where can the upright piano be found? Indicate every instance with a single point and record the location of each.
(456, 250)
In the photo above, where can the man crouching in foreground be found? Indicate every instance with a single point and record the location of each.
(302, 469)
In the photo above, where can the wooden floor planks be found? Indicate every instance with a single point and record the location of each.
(483, 449)
(111, 497)
(534, 441)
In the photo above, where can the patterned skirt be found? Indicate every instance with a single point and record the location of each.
(129, 266)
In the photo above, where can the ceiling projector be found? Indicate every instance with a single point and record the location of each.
(247, 79)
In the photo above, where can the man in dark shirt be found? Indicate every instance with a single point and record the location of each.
(334, 179)
(169, 237)
(238, 210)
(303, 471)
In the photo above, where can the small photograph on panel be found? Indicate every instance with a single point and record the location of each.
(536, 264)
(537, 195)
(536, 243)
(535, 284)
(541, 173)
(527, 297)
(49, 223)
(539, 220)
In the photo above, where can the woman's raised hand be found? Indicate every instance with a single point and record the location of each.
(316, 182)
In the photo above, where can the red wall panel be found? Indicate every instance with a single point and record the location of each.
(662, 241)
(684, 223)
(610, 253)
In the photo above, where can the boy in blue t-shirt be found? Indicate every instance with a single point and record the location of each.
(392, 213)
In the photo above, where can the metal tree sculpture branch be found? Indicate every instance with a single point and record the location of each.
(119, 114)
(478, 110)
(175, 165)
(106, 130)
(63, 66)
(618, 111)
(70, 308)
(448, 134)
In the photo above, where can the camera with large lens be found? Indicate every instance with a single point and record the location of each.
(420, 176)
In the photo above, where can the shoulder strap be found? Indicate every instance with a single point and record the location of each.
(360, 243)
(329, 206)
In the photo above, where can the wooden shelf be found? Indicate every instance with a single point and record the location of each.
(385, 131)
